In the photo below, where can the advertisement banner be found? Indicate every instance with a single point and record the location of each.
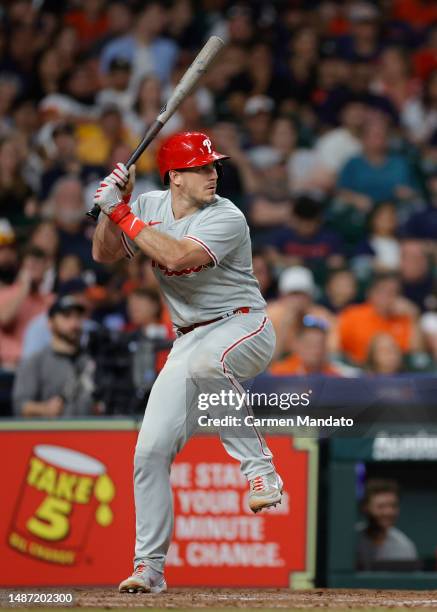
(67, 513)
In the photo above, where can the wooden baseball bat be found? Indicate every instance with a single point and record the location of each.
(187, 83)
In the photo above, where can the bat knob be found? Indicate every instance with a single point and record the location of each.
(94, 212)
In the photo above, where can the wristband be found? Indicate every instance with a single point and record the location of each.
(130, 224)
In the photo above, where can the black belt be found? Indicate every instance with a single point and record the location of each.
(186, 330)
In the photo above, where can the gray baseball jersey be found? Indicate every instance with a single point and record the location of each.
(223, 353)
(204, 292)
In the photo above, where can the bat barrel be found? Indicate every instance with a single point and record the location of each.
(184, 87)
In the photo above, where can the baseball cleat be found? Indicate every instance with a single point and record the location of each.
(265, 491)
(143, 580)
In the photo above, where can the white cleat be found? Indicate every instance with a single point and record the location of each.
(265, 491)
(143, 580)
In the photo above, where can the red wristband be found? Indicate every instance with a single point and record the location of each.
(131, 225)
(126, 220)
(121, 211)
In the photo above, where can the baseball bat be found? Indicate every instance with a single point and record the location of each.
(187, 83)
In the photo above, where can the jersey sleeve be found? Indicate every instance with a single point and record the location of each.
(219, 233)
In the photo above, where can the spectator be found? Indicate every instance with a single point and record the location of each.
(264, 274)
(416, 274)
(380, 250)
(356, 87)
(115, 92)
(239, 26)
(379, 540)
(64, 160)
(394, 78)
(258, 120)
(238, 176)
(339, 145)
(145, 315)
(376, 175)
(90, 22)
(8, 254)
(311, 352)
(45, 237)
(68, 208)
(260, 69)
(19, 303)
(97, 139)
(49, 73)
(38, 334)
(119, 21)
(419, 115)
(296, 299)
(57, 381)
(69, 268)
(340, 290)
(363, 42)
(299, 80)
(383, 312)
(9, 88)
(271, 169)
(418, 14)
(306, 241)
(384, 356)
(423, 225)
(425, 60)
(146, 106)
(300, 161)
(182, 26)
(67, 47)
(16, 197)
(146, 48)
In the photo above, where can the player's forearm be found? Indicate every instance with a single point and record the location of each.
(172, 253)
(107, 247)
(11, 308)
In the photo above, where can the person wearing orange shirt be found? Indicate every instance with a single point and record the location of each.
(385, 311)
(311, 356)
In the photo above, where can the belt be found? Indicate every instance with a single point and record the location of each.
(185, 330)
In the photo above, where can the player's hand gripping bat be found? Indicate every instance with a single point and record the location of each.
(187, 83)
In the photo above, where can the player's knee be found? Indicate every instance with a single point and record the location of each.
(152, 450)
(205, 364)
(151, 460)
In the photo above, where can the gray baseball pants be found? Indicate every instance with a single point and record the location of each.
(217, 356)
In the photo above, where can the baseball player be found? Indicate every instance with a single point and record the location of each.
(200, 246)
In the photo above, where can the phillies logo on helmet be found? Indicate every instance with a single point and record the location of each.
(186, 150)
(208, 144)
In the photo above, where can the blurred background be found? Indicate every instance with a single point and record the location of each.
(328, 111)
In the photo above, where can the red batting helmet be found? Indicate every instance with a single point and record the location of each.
(186, 150)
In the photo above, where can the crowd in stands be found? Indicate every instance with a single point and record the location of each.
(328, 111)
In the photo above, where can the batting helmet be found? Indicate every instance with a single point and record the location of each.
(186, 150)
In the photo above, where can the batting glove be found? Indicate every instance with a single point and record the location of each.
(108, 196)
(112, 202)
(120, 175)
